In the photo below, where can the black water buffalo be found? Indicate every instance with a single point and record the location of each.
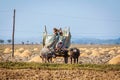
(62, 53)
(74, 54)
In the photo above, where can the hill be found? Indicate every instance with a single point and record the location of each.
(96, 41)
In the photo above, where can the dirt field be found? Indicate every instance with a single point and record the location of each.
(36, 74)
(90, 54)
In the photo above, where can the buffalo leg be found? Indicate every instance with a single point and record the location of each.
(42, 59)
(74, 60)
(50, 60)
(66, 60)
(71, 60)
(77, 60)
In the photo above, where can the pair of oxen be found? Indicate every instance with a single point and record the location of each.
(46, 54)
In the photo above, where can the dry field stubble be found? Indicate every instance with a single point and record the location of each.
(35, 74)
(90, 54)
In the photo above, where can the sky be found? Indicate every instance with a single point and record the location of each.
(98, 19)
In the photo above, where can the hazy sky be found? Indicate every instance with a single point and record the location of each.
(86, 18)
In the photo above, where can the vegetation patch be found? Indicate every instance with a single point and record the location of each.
(51, 66)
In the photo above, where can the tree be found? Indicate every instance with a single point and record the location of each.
(22, 42)
(27, 42)
(32, 43)
(1, 41)
(9, 41)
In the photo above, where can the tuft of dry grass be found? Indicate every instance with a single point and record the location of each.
(7, 51)
(115, 60)
(26, 53)
(36, 59)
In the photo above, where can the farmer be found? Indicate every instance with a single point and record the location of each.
(61, 40)
(55, 31)
(55, 38)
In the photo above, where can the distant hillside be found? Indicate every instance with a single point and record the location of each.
(74, 40)
(96, 41)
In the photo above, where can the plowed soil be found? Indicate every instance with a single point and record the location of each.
(36, 74)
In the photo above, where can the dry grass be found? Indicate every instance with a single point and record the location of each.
(36, 59)
(115, 60)
(86, 50)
